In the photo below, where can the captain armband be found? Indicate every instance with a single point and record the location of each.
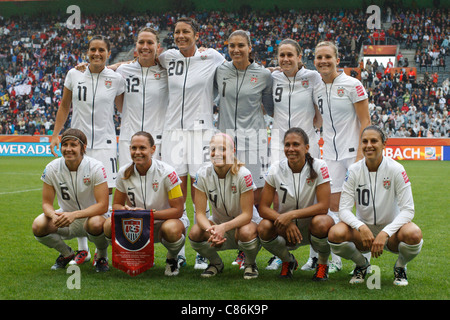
(175, 192)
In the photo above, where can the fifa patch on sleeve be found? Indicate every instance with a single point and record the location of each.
(360, 91)
(248, 180)
(173, 177)
(405, 177)
(324, 171)
(132, 241)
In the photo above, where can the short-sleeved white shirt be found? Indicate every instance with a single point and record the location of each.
(224, 195)
(74, 191)
(294, 104)
(383, 197)
(145, 100)
(191, 87)
(341, 126)
(93, 97)
(296, 190)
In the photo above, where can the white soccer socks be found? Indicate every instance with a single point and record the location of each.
(251, 249)
(173, 248)
(54, 241)
(348, 250)
(407, 252)
(205, 250)
(322, 247)
(101, 243)
(277, 247)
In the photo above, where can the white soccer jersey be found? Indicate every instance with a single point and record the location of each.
(149, 191)
(294, 104)
(93, 97)
(191, 82)
(383, 197)
(224, 194)
(74, 191)
(296, 190)
(341, 126)
(145, 101)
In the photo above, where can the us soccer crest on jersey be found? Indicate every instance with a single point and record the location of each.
(132, 240)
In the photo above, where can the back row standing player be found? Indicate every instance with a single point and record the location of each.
(343, 102)
(92, 95)
(188, 124)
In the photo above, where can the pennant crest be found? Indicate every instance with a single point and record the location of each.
(132, 229)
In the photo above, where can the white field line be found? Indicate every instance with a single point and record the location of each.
(20, 191)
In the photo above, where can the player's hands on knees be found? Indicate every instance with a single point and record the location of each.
(217, 233)
(63, 219)
(282, 221)
(378, 244)
(293, 235)
(366, 237)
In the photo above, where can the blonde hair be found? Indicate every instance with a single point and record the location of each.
(236, 165)
(329, 44)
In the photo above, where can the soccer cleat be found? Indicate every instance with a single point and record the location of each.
(200, 263)
(181, 261)
(321, 273)
(334, 266)
(171, 268)
(251, 271)
(310, 265)
(101, 265)
(274, 263)
(288, 268)
(61, 262)
(359, 274)
(400, 278)
(81, 257)
(212, 270)
(239, 261)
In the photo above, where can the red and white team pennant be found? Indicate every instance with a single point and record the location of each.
(132, 240)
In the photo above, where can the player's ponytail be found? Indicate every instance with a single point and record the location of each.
(308, 158)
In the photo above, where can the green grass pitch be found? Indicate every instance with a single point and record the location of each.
(25, 264)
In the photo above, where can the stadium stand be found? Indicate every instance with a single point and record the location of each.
(37, 52)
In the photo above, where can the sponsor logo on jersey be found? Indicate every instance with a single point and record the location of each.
(324, 171)
(132, 229)
(387, 183)
(360, 91)
(340, 91)
(248, 180)
(405, 177)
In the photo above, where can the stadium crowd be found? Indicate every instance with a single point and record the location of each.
(37, 52)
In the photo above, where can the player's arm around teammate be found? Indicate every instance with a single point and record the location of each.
(381, 190)
(150, 184)
(298, 180)
(228, 186)
(79, 183)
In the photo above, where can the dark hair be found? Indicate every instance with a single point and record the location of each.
(297, 47)
(245, 35)
(75, 134)
(310, 160)
(101, 38)
(377, 129)
(190, 22)
(151, 141)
